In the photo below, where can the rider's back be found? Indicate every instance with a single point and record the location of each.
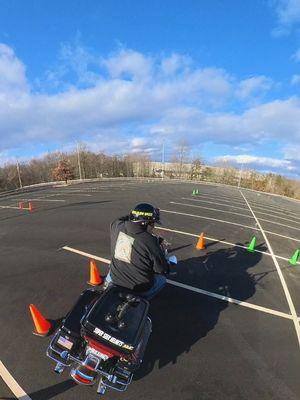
(136, 255)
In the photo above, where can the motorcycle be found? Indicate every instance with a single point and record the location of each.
(103, 338)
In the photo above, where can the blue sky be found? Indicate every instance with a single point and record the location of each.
(221, 75)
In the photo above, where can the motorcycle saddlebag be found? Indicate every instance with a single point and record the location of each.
(123, 339)
(68, 338)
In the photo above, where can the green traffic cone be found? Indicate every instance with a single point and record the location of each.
(294, 259)
(197, 191)
(194, 191)
(252, 244)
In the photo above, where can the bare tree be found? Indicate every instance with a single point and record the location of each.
(181, 157)
(196, 169)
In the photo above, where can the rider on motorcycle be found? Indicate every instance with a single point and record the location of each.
(138, 260)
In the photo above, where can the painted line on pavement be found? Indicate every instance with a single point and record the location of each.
(191, 288)
(278, 223)
(219, 199)
(212, 209)
(221, 241)
(211, 219)
(276, 210)
(15, 208)
(213, 202)
(71, 193)
(270, 208)
(231, 300)
(242, 208)
(82, 253)
(233, 223)
(12, 384)
(33, 199)
(281, 277)
(291, 219)
(283, 236)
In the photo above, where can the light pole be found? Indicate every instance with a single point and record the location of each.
(19, 175)
(240, 177)
(163, 161)
(79, 165)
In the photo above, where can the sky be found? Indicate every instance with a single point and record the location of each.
(221, 76)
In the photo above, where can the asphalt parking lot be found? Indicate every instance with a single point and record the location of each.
(225, 327)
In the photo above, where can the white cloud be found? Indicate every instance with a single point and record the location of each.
(295, 79)
(254, 86)
(129, 64)
(274, 121)
(138, 142)
(174, 63)
(288, 15)
(246, 159)
(138, 96)
(292, 152)
(12, 74)
(296, 56)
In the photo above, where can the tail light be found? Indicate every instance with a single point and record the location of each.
(107, 351)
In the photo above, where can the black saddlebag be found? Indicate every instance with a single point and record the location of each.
(68, 338)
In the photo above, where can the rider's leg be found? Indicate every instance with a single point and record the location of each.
(107, 281)
(108, 278)
(159, 282)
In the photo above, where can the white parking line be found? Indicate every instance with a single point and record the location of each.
(211, 219)
(218, 194)
(12, 384)
(231, 300)
(278, 223)
(283, 236)
(14, 208)
(221, 241)
(292, 219)
(193, 289)
(33, 199)
(281, 277)
(233, 223)
(275, 210)
(212, 209)
(270, 208)
(220, 199)
(82, 253)
(71, 193)
(85, 191)
(215, 203)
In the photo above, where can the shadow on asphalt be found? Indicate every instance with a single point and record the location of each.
(48, 392)
(181, 318)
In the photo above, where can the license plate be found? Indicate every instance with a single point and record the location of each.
(96, 353)
(65, 342)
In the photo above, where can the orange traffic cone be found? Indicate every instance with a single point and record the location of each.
(30, 206)
(200, 244)
(95, 278)
(21, 205)
(42, 326)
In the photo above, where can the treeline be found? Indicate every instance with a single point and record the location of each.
(85, 164)
(269, 183)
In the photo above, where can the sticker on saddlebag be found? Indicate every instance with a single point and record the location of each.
(124, 247)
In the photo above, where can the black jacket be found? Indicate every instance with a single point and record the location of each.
(136, 255)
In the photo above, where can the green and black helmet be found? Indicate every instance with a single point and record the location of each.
(145, 213)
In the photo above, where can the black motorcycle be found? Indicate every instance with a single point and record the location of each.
(104, 336)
